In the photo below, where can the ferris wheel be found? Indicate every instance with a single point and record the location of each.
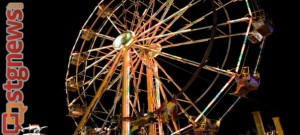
(161, 67)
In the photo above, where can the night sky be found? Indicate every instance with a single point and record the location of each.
(50, 30)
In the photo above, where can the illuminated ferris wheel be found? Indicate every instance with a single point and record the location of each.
(161, 67)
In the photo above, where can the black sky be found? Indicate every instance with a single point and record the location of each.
(50, 29)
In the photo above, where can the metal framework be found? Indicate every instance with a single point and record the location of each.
(161, 67)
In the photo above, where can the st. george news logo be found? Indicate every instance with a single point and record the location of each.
(16, 72)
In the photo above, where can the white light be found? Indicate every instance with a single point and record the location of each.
(122, 40)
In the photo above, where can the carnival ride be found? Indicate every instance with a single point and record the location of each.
(161, 67)
(34, 129)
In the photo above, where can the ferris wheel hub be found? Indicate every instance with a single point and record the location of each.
(124, 39)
